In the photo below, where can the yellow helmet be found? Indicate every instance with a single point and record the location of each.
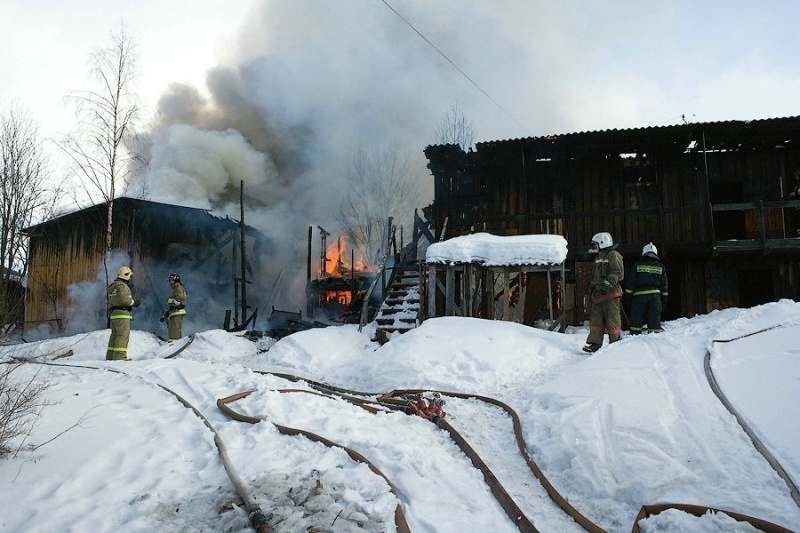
(124, 273)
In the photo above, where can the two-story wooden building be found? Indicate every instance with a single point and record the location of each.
(713, 197)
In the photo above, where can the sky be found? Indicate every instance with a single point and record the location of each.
(306, 83)
(118, 446)
(279, 97)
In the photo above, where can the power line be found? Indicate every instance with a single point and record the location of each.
(454, 65)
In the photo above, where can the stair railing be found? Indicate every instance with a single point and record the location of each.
(406, 253)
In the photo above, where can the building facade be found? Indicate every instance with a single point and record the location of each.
(713, 197)
(69, 265)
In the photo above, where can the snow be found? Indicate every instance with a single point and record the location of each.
(495, 250)
(635, 423)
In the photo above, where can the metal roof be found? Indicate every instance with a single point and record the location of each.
(731, 127)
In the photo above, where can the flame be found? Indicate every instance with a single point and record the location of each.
(338, 259)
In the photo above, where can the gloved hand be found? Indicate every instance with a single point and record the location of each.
(161, 319)
(663, 301)
(606, 286)
(137, 303)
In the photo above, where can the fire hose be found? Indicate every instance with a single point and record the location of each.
(256, 516)
(397, 399)
(762, 449)
(222, 403)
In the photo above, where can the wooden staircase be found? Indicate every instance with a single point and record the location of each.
(399, 311)
(400, 307)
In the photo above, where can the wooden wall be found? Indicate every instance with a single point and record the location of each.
(685, 188)
(66, 271)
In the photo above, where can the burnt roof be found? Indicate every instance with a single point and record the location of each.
(130, 203)
(717, 134)
(730, 131)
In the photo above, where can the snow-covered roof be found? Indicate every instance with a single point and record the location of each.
(493, 250)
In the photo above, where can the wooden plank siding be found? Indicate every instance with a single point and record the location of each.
(698, 191)
(67, 278)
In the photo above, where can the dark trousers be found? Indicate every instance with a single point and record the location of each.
(646, 309)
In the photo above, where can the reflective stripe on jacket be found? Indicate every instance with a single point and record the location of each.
(648, 276)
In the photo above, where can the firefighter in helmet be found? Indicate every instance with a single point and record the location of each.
(121, 304)
(647, 284)
(607, 272)
(176, 307)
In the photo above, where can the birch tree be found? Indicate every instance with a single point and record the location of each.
(107, 118)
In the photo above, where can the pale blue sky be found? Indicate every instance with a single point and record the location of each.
(355, 69)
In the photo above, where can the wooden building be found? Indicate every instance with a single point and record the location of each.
(713, 197)
(67, 276)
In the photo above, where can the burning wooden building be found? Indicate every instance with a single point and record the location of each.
(217, 258)
(337, 286)
(713, 197)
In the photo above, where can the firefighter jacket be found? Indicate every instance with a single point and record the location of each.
(176, 304)
(648, 276)
(608, 271)
(120, 300)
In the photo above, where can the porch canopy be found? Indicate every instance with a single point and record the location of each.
(487, 276)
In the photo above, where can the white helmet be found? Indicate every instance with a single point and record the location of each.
(603, 240)
(650, 248)
(124, 273)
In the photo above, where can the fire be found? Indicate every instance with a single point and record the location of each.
(338, 262)
(343, 280)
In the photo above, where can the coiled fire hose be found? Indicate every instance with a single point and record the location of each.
(392, 400)
(395, 400)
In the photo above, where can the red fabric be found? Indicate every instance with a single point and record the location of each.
(598, 297)
(426, 408)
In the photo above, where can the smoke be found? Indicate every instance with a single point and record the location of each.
(287, 120)
(313, 82)
(205, 168)
(316, 82)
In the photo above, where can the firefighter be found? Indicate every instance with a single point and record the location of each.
(607, 272)
(176, 307)
(647, 284)
(121, 304)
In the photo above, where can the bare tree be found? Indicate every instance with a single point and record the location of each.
(107, 119)
(456, 128)
(21, 403)
(380, 186)
(24, 197)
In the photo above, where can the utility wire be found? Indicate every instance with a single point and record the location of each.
(454, 65)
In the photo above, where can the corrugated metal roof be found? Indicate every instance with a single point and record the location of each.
(761, 124)
(124, 202)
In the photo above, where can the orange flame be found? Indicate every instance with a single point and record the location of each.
(338, 259)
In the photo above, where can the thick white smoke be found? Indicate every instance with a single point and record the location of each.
(202, 168)
(315, 81)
